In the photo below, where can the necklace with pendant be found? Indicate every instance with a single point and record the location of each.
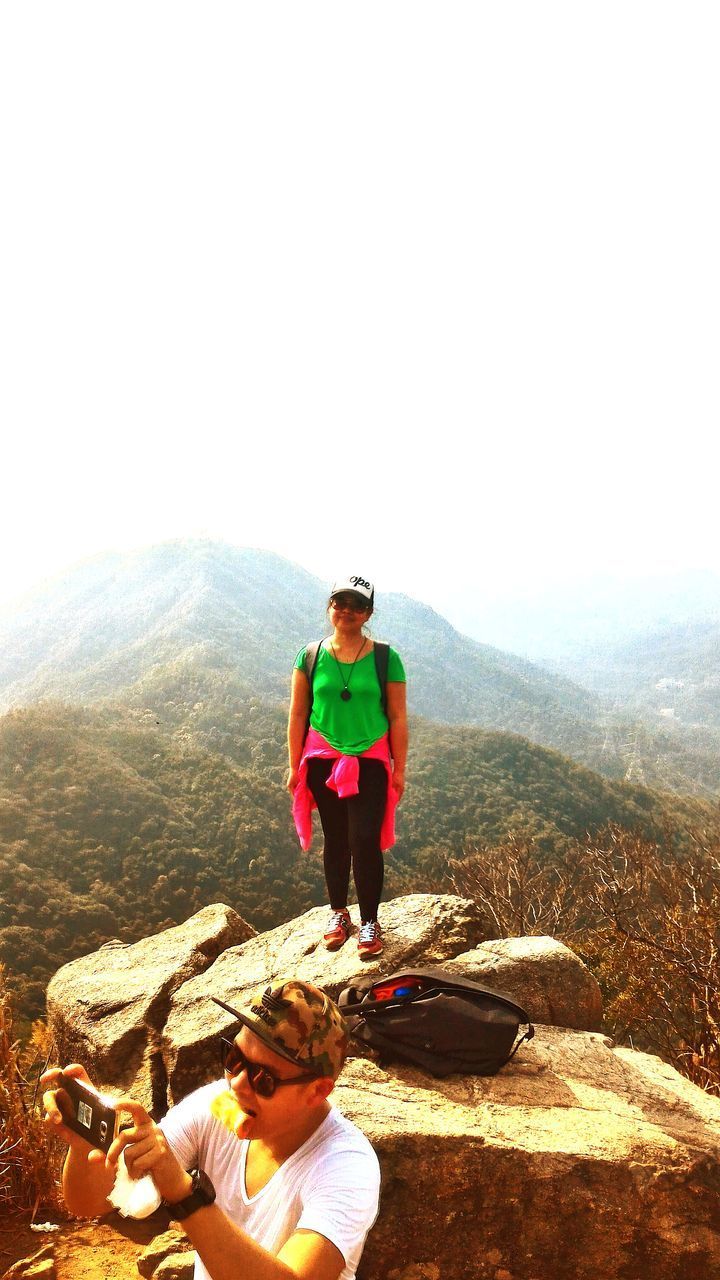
(345, 693)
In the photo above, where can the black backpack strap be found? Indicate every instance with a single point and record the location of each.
(312, 652)
(350, 998)
(310, 661)
(528, 1035)
(381, 651)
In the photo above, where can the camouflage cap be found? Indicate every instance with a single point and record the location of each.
(299, 1022)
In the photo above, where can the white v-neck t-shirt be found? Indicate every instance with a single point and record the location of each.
(330, 1185)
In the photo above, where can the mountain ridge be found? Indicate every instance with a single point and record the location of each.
(204, 610)
(128, 627)
(231, 605)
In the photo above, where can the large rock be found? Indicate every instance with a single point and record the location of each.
(550, 982)
(176, 1266)
(579, 1160)
(169, 1244)
(108, 1010)
(40, 1266)
(420, 929)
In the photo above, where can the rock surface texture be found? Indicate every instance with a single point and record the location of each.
(108, 1010)
(579, 1160)
(171, 1245)
(39, 1266)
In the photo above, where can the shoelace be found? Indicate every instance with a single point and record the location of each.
(369, 931)
(338, 920)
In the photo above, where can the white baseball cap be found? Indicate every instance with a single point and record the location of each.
(357, 585)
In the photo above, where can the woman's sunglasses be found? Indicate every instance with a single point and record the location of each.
(261, 1079)
(348, 602)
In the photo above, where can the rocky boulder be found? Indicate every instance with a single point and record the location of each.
(39, 1266)
(170, 1244)
(550, 982)
(579, 1160)
(141, 1017)
(108, 1010)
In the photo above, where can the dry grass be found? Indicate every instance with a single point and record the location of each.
(29, 1158)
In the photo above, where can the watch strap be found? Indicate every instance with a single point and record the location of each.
(201, 1194)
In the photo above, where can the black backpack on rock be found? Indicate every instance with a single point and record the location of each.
(436, 1020)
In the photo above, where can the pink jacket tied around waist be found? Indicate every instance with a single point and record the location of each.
(344, 779)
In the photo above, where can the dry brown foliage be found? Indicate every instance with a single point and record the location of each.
(660, 912)
(521, 892)
(644, 915)
(28, 1156)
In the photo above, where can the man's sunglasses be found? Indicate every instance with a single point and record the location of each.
(349, 602)
(261, 1079)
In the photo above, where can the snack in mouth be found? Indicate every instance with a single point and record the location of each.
(226, 1108)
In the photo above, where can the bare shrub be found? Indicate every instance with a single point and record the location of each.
(645, 917)
(522, 892)
(29, 1158)
(657, 945)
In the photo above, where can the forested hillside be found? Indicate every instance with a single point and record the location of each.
(114, 826)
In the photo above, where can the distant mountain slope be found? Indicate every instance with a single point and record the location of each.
(568, 623)
(108, 625)
(101, 627)
(152, 627)
(673, 672)
(112, 826)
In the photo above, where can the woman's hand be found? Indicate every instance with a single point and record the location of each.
(398, 781)
(293, 779)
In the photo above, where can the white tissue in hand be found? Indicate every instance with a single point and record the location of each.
(133, 1197)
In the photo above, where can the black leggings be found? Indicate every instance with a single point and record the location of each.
(352, 834)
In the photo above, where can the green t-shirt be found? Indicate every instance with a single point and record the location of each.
(350, 727)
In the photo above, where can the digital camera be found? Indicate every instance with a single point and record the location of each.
(87, 1113)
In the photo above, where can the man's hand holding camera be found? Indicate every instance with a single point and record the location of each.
(55, 1118)
(90, 1172)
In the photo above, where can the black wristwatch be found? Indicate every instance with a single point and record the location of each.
(201, 1193)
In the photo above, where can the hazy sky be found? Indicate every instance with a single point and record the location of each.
(430, 291)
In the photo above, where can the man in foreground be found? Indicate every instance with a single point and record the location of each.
(269, 1181)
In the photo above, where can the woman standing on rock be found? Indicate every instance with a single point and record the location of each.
(347, 746)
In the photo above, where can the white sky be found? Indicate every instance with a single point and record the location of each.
(426, 290)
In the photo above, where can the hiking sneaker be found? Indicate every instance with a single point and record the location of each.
(370, 941)
(339, 928)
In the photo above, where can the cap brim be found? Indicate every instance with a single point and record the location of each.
(256, 1026)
